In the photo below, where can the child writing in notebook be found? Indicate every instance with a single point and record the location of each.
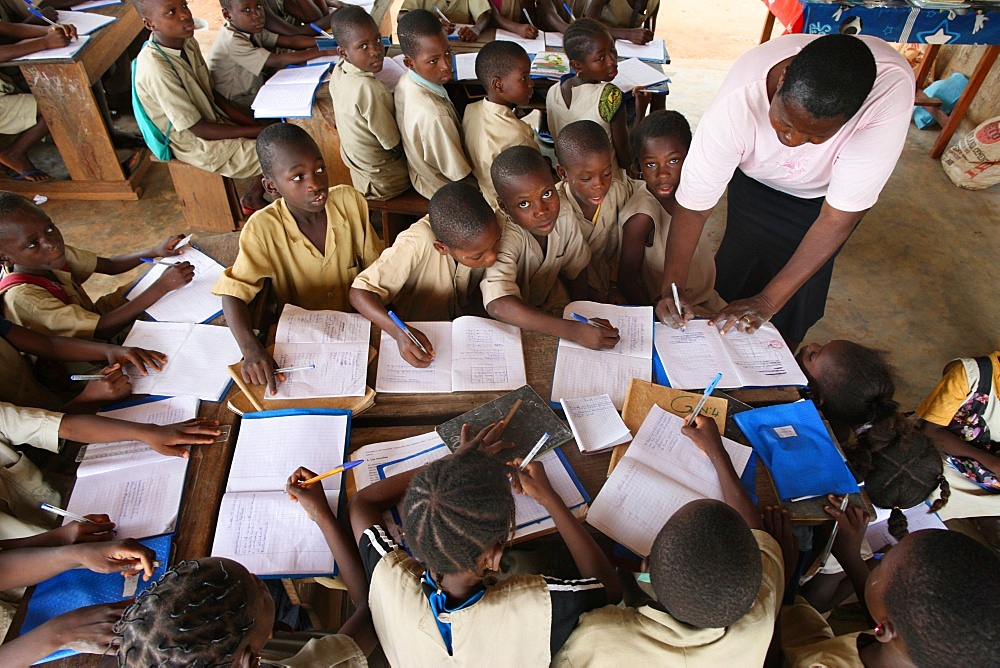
(588, 188)
(428, 123)
(515, 16)
(432, 270)
(470, 17)
(244, 53)
(41, 287)
(311, 243)
(370, 143)
(718, 578)
(541, 243)
(660, 144)
(631, 20)
(490, 125)
(458, 514)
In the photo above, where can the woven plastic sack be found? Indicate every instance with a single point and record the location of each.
(974, 162)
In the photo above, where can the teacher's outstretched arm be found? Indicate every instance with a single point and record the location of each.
(685, 230)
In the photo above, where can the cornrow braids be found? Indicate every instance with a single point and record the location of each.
(197, 614)
(580, 37)
(455, 510)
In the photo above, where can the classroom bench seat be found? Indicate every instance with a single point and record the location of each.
(399, 212)
(209, 201)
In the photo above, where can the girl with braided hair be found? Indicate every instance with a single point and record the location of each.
(443, 606)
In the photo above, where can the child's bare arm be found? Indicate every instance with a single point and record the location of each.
(948, 443)
(119, 264)
(278, 60)
(212, 131)
(513, 311)
(115, 321)
(549, 17)
(368, 304)
(525, 30)
(620, 138)
(69, 349)
(367, 505)
(84, 630)
(634, 35)
(635, 231)
(473, 33)
(281, 27)
(33, 39)
(163, 439)
(579, 288)
(258, 365)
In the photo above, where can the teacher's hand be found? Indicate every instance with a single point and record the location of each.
(746, 314)
(666, 311)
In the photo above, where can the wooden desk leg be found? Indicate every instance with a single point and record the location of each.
(765, 34)
(958, 113)
(927, 65)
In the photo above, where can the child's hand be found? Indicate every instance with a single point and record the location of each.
(311, 498)
(447, 26)
(100, 528)
(166, 439)
(167, 247)
(667, 313)
(642, 99)
(176, 276)
(409, 351)
(140, 358)
(778, 523)
(853, 521)
(87, 630)
(121, 556)
(467, 34)
(639, 35)
(58, 37)
(527, 31)
(114, 387)
(595, 338)
(258, 369)
(532, 481)
(705, 434)
(487, 441)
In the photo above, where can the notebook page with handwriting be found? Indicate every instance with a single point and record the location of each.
(339, 370)
(197, 366)
(584, 373)
(634, 325)
(396, 375)
(298, 325)
(530, 517)
(486, 355)
(193, 302)
(376, 454)
(763, 358)
(595, 423)
(692, 358)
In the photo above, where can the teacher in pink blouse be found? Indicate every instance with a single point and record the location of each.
(804, 132)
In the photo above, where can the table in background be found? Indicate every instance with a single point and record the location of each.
(904, 24)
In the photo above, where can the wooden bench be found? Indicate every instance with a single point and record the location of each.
(398, 213)
(208, 201)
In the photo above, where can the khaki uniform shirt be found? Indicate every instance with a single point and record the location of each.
(457, 11)
(370, 143)
(272, 246)
(19, 386)
(618, 13)
(18, 111)
(808, 641)
(489, 128)
(646, 636)
(523, 271)
(585, 105)
(237, 63)
(432, 137)
(421, 283)
(22, 487)
(308, 649)
(180, 96)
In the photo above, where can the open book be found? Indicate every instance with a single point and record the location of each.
(289, 93)
(193, 302)
(660, 473)
(259, 526)
(691, 358)
(633, 72)
(470, 355)
(335, 343)
(536, 45)
(595, 423)
(918, 518)
(581, 372)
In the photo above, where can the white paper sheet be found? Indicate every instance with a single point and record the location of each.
(917, 518)
(530, 517)
(298, 325)
(634, 325)
(655, 50)
(392, 71)
(763, 358)
(417, 459)
(465, 66)
(289, 93)
(396, 375)
(385, 452)
(486, 356)
(340, 370)
(193, 302)
(85, 23)
(633, 72)
(62, 52)
(536, 45)
(595, 423)
(94, 4)
(553, 40)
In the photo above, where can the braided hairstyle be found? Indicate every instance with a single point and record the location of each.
(455, 510)
(859, 388)
(900, 467)
(581, 36)
(197, 614)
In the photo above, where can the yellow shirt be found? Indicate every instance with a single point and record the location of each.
(808, 641)
(618, 13)
(272, 246)
(955, 388)
(421, 283)
(488, 129)
(457, 11)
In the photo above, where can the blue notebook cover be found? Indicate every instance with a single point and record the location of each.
(796, 447)
(79, 588)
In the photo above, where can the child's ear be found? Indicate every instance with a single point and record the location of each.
(269, 186)
(575, 65)
(560, 172)
(885, 631)
(496, 83)
(148, 25)
(342, 52)
(441, 248)
(407, 62)
(226, 15)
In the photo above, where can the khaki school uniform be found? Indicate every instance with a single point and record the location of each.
(701, 276)
(602, 233)
(432, 137)
(22, 487)
(646, 636)
(19, 386)
(489, 128)
(618, 13)
(457, 11)
(370, 143)
(306, 649)
(808, 641)
(272, 246)
(236, 64)
(18, 111)
(179, 95)
(420, 283)
(523, 271)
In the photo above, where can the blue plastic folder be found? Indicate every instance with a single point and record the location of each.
(79, 588)
(796, 447)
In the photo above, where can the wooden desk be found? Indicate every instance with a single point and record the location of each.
(62, 89)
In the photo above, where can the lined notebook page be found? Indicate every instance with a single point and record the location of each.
(595, 423)
(269, 449)
(376, 454)
(530, 516)
(340, 370)
(584, 373)
(763, 358)
(634, 324)
(486, 356)
(431, 453)
(197, 362)
(298, 325)
(193, 302)
(692, 358)
(396, 375)
(660, 473)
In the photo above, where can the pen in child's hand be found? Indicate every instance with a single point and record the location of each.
(441, 14)
(534, 451)
(677, 304)
(138, 566)
(65, 513)
(704, 398)
(321, 31)
(149, 260)
(288, 369)
(569, 12)
(87, 376)
(527, 16)
(406, 330)
(183, 242)
(589, 321)
(340, 469)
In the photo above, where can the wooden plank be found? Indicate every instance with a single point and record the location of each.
(983, 68)
(206, 199)
(79, 189)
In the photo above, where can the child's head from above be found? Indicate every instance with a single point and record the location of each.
(425, 47)
(458, 514)
(900, 467)
(358, 38)
(209, 612)
(525, 189)
(586, 161)
(852, 383)
(660, 143)
(170, 21)
(591, 50)
(293, 167)
(465, 225)
(923, 596)
(246, 15)
(504, 70)
(705, 565)
(28, 237)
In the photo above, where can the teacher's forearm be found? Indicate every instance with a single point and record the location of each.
(685, 230)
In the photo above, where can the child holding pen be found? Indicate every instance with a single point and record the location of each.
(474, 16)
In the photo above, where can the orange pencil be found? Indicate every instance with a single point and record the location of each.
(340, 469)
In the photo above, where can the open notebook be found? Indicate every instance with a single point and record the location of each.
(335, 343)
(259, 526)
(470, 355)
(581, 372)
(595, 423)
(660, 473)
(289, 93)
(193, 302)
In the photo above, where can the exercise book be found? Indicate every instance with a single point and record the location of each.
(470, 355)
(193, 302)
(536, 45)
(83, 22)
(60, 53)
(581, 372)
(654, 51)
(633, 72)
(595, 423)
(918, 518)
(290, 92)
(661, 472)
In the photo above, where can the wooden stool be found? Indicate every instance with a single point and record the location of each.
(209, 201)
(397, 213)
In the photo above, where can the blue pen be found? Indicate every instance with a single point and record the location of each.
(588, 321)
(406, 330)
(33, 10)
(321, 31)
(704, 398)
(149, 260)
(569, 12)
